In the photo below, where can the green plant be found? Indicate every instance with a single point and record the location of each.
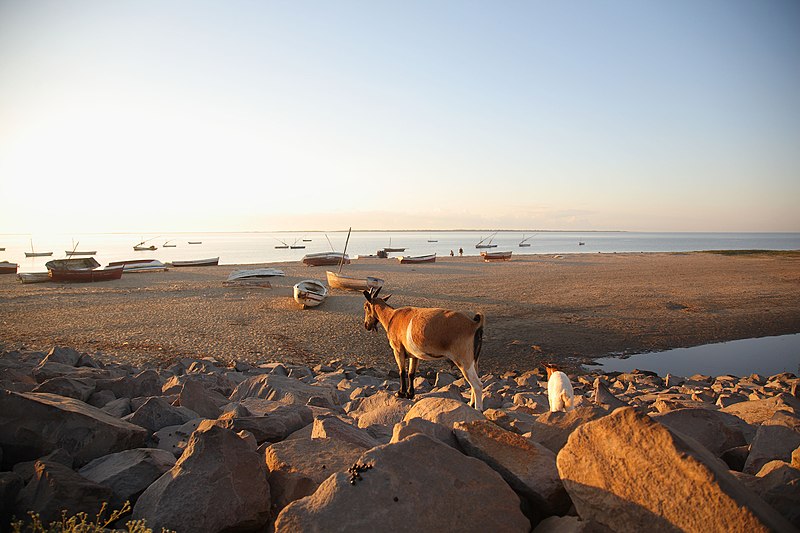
(79, 523)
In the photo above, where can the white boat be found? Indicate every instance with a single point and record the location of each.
(33, 277)
(326, 258)
(349, 283)
(197, 262)
(255, 273)
(140, 265)
(406, 259)
(310, 293)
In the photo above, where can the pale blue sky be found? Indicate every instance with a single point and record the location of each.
(244, 115)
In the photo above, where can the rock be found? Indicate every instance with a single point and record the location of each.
(513, 419)
(34, 424)
(145, 383)
(569, 524)
(552, 429)
(536, 401)
(78, 388)
(157, 413)
(101, 399)
(451, 493)
(194, 396)
(776, 438)
(64, 356)
(715, 430)
(779, 485)
(118, 408)
(218, 484)
(214, 383)
(443, 411)
(10, 486)
(725, 400)
(414, 426)
(736, 457)
(605, 398)
(442, 379)
(297, 467)
(757, 411)
(55, 487)
(336, 429)
(128, 473)
(528, 467)
(279, 422)
(26, 469)
(49, 369)
(382, 409)
(796, 457)
(175, 438)
(602, 467)
(284, 389)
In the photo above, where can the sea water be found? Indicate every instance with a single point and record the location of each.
(259, 247)
(765, 355)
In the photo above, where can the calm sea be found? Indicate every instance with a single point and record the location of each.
(258, 247)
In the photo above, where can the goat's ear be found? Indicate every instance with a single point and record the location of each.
(368, 296)
(386, 298)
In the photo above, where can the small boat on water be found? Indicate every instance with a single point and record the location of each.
(306, 240)
(140, 265)
(85, 275)
(8, 268)
(34, 253)
(326, 258)
(73, 252)
(310, 293)
(197, 262)
(496, 256)
(195, 242)
(140, 248)
(391, 249)
(581, 243)
(167, 245)
(488, 244)
(408, 259)
(524, 242)
(33, 277)
(349, 283)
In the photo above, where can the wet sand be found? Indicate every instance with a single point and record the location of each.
(569, 308)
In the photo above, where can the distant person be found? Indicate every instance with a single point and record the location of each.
(451, 253)
(460, 252)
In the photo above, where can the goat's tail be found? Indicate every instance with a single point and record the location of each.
(478, 339)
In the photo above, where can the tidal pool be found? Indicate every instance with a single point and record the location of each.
(765, 355)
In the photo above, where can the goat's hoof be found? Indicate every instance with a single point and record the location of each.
(401, 394)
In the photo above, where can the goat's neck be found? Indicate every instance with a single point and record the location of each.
(384, 314)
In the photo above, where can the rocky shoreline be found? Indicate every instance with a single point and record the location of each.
(205, 446)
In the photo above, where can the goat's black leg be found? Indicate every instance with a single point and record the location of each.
(412, 370)
(403, 392)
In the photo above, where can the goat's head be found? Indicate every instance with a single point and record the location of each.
(551, 368)
(370, 315)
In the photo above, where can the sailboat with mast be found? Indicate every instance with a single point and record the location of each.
(524, 242)
(337, 280)
(141, 247)
(488, 244)
(395, 249)
(34, 253)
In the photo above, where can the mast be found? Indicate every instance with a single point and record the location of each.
(341, 261)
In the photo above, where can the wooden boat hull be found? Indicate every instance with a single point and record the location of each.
(310, 293)
(255, 274)
(93, 252)
(496, 256)
(485, 246)
(523, 244)
(325, 259)
(38, 254)
(77, 263)
(144, 248)
(85, 276)
(8, 268)
(197, 262)
(33, 277)
(388, 250)
(417, 259)
(348, 283)
(140, 265)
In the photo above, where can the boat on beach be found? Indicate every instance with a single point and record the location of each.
(140, 265)
(33, 277)
(325, 259)
(255, 273)
(212, 261)
(408, 259)
(496, 256)
(8, 268)
(85, 275)
(78, 263)
(350, 283)
(310, 293)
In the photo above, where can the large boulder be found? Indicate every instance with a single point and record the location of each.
(157, 413)
(145, 383)
(128, 473)
(334, 428)
(382, 408)
(277, 424)
(35, 424)
(297, 467)
(552, 429)
(219, 483)
(195, 397)
(631, 473)
(55, 487)
(775, 439)
(447, 492)
(528, 467)
(757, 411)
(715, 430)
(283, 389)
(78, 388)
(445, 411)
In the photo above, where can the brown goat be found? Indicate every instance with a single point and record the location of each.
(428, 333)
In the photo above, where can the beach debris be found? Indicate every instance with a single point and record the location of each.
(355, 472)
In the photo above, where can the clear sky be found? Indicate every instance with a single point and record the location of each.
(170, 115)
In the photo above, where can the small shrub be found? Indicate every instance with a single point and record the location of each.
(80, 523)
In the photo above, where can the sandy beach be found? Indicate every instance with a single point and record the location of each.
(568, 308)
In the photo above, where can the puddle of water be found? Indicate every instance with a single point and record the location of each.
(766, 356)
